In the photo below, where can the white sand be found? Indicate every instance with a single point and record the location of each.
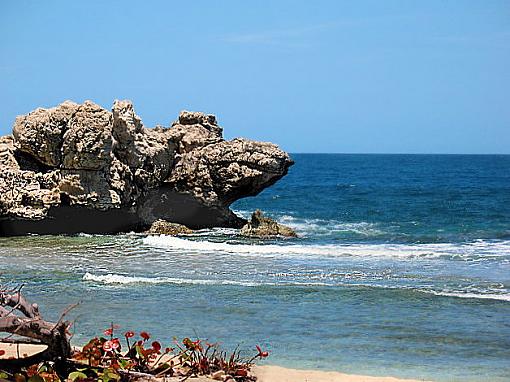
(264, 373)
(281, 374)
(24, 350)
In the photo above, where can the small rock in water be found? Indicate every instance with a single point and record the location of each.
(262, 226)
(163, 227)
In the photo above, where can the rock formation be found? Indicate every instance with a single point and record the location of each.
(81, 168)
(162, 227)
(263, 227)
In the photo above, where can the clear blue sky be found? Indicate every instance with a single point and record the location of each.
(312, 76)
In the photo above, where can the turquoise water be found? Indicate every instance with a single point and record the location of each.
(402, 268)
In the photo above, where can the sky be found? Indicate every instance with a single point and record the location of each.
(311, 76)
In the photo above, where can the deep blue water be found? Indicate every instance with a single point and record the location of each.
(402, 198)
(402, 268)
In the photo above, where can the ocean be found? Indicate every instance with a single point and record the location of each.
(401, 268)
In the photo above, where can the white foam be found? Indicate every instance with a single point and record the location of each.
(243, 213)
(112, 278)
(486, 296)
(468, 251)
(216, 232)
(116, 279)
(320, 227)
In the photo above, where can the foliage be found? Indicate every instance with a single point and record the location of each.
(111, 359)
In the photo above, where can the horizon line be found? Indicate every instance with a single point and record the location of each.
(383, 153)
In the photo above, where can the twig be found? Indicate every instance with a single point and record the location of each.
(64, 313)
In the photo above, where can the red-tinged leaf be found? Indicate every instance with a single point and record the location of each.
(115, 344)
(156, 346)
(242, 373)
(262, 354)
(32, 370)
(109, 346)
(145, 335)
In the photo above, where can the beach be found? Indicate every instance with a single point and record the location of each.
(281, 374)
(263, 373)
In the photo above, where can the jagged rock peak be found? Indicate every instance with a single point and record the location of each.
(40, 133)
(199, 118)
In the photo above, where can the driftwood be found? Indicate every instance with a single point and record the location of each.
(23, 323)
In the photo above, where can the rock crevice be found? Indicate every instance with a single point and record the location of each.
(82, 168)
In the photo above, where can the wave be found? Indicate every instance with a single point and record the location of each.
(111, 278)
(117, 279)
(216, 232)
(486, 296)
(242, 213)
(473, 251)
(322, 227)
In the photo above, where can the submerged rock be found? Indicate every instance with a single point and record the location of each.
(82, 168)
(163, 227)
(263, 227)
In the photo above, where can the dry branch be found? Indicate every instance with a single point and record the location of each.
(20, 318)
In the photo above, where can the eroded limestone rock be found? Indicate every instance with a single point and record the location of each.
(7, 158)
(40, 133)
(107, 172)
(87, 141)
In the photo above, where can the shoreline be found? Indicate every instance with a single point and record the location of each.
(264, 373)
(272, 373)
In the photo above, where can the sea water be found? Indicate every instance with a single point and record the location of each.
(402, 267)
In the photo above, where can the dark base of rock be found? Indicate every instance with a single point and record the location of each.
(167, 204)
(163, 203)
(72, 220)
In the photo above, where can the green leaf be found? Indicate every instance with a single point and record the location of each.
(43, 368)
(76, 375)
(4, 375)
(139, 351)
(110, 375)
